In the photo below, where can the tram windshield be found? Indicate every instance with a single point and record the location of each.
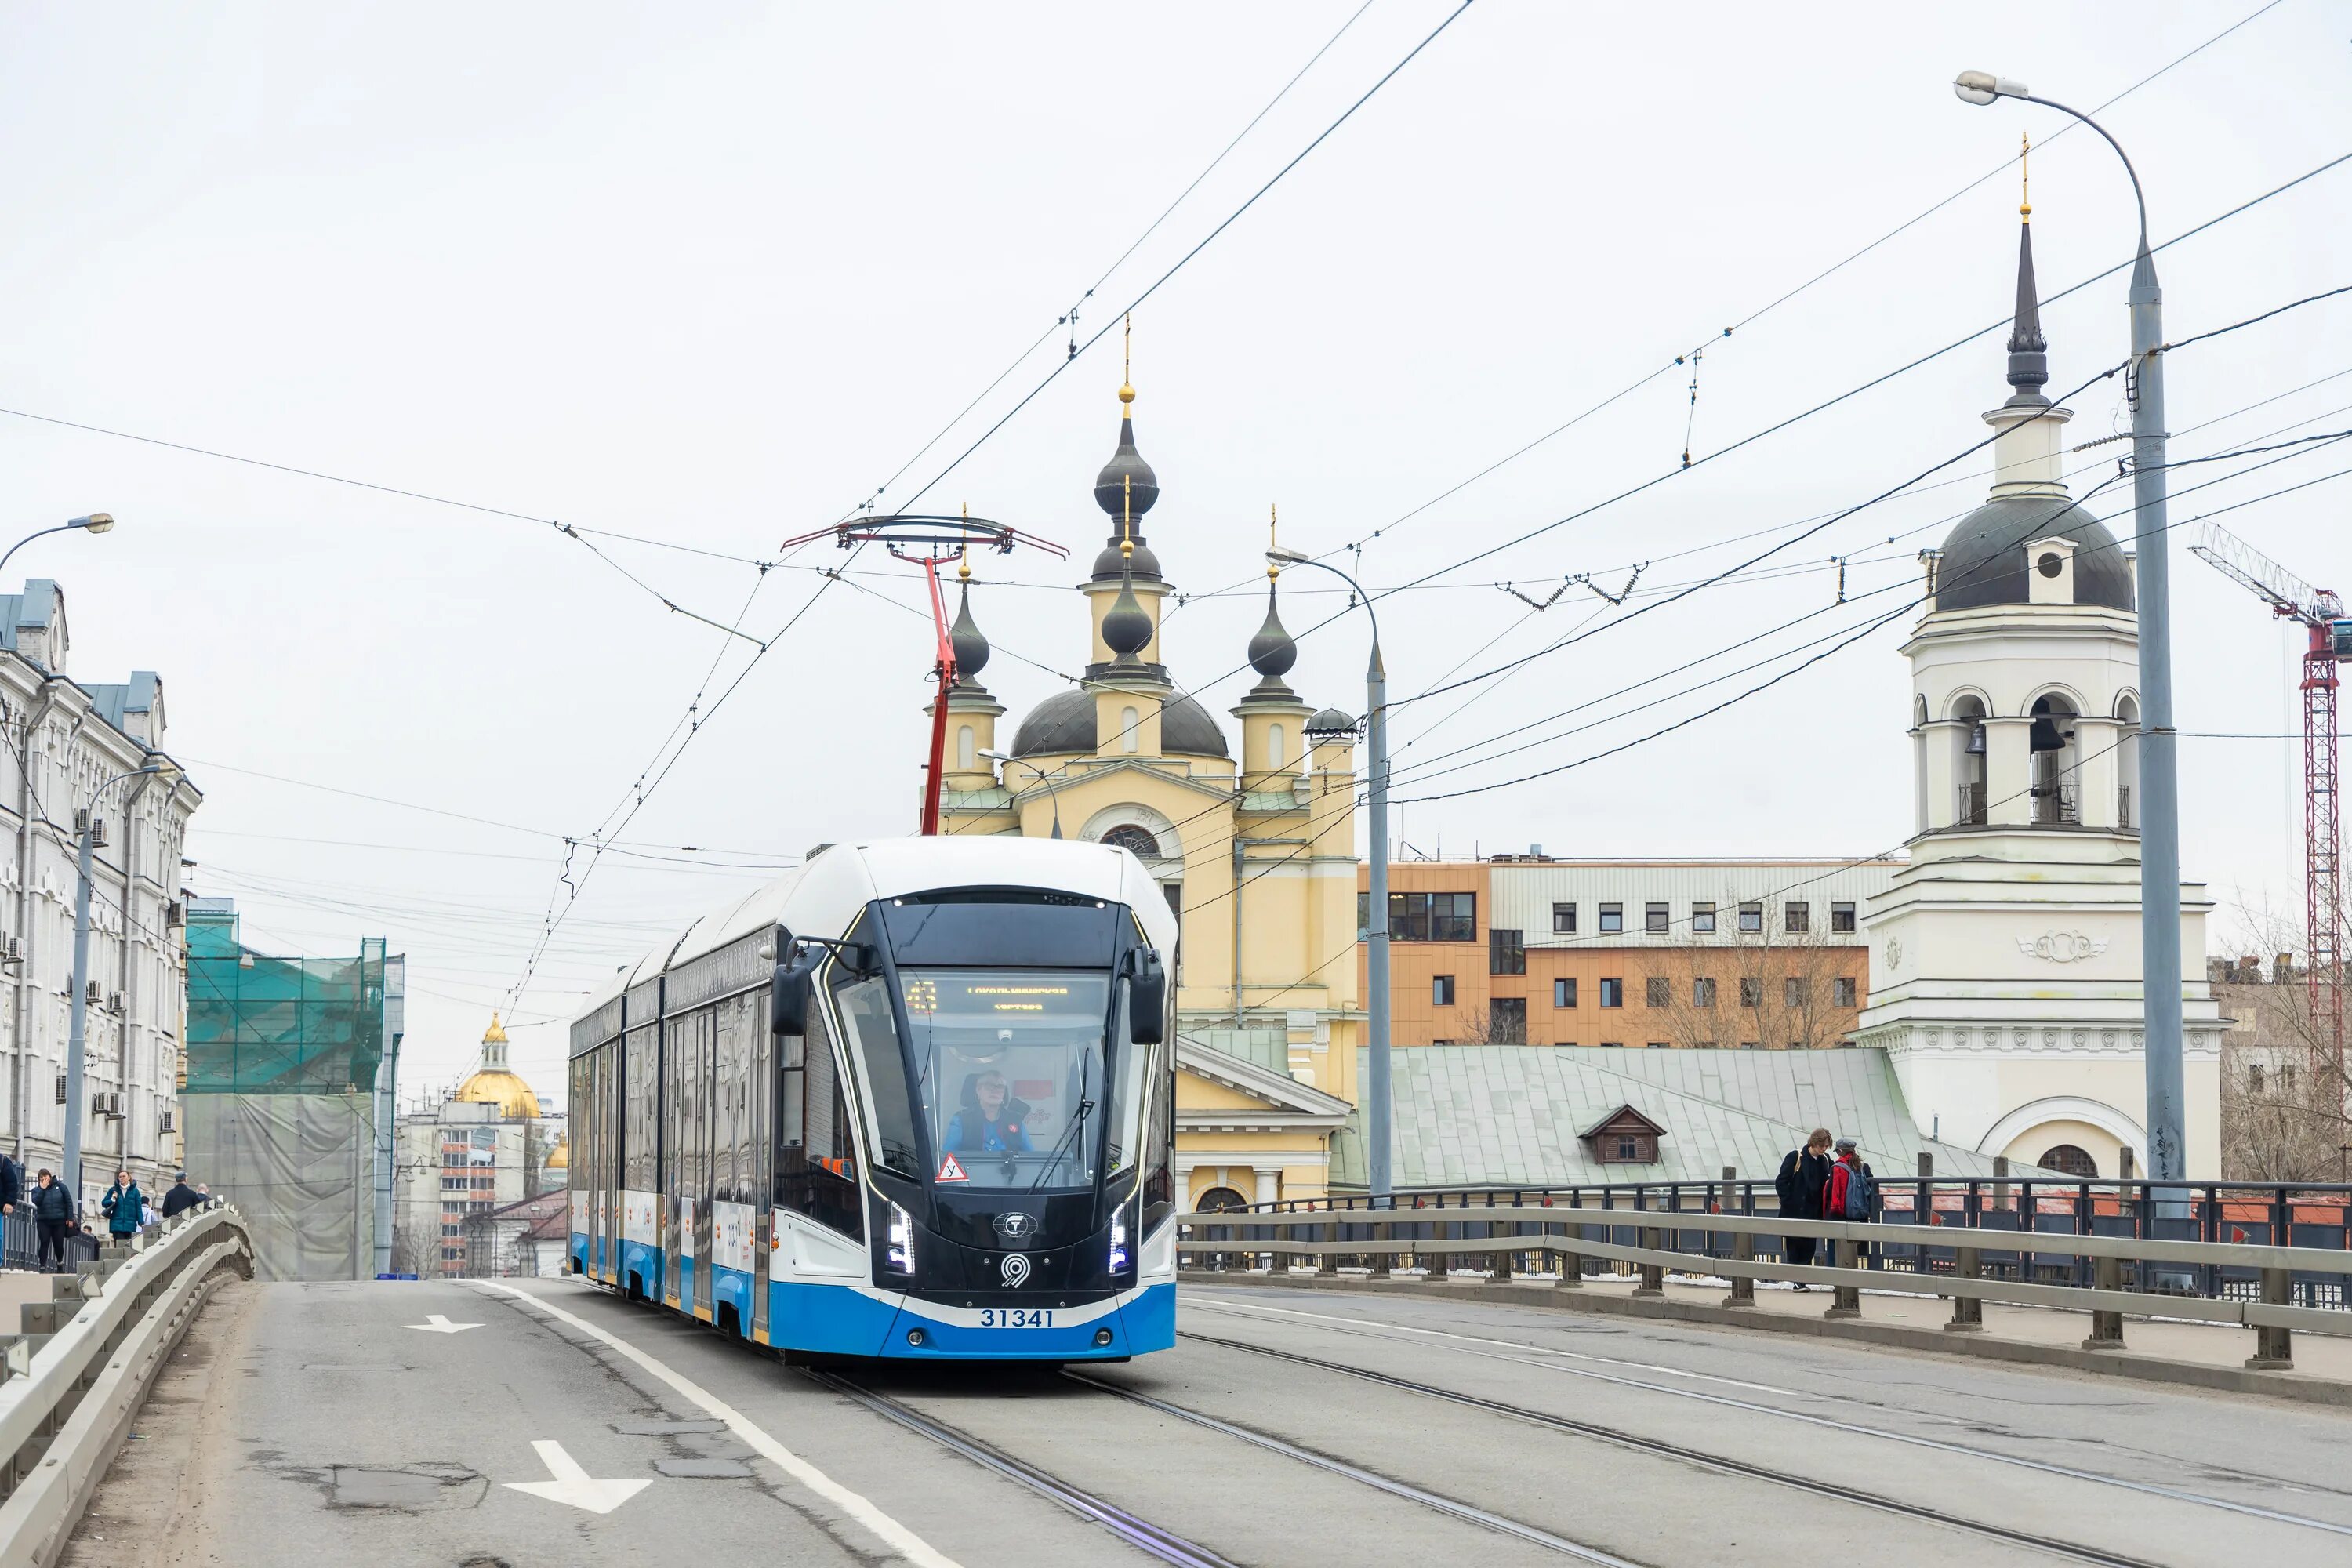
(1009, 1068)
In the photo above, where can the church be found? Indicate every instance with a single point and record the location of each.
(1255, 853)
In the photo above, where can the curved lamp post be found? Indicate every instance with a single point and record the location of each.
(85, 826)
(96, 522)
(1376, 918)
(2159, 839)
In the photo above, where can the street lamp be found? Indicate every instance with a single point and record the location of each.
(1038, 776)
(1377, 1118)
(85, 827)
(96, 522)
(2160, 885)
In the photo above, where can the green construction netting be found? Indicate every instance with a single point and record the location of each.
(259, 1025)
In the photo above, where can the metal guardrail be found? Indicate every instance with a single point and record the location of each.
(71, 1384)
(2106, 1273)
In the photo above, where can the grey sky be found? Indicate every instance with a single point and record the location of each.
(709, 274)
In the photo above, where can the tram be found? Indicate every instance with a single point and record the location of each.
(915, 1098)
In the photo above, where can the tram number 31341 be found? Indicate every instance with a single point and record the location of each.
(1015, 1318)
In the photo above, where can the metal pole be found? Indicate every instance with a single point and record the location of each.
(77, 1031)
(1376, 930)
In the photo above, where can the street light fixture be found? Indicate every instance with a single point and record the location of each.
(168, 773)
(1377, 1117)
(96, 522)
(2159, 895)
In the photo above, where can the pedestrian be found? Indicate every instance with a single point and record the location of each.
(1853, 1193)
(1804, 1176)
(53, 1212)
(123, 1205)
(181, 1198)
(12, 1184)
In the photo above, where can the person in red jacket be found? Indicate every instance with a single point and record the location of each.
(1842, 1176)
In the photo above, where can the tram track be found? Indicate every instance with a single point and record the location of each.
(1698, 1457)
(1138, 1532)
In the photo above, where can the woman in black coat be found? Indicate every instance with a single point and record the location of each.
(1804, 1176)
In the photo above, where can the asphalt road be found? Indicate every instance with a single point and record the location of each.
(312, 1424)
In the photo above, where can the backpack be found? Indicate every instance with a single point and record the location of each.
(1861, 1193)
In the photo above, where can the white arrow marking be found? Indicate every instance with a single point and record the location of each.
(573, 1485)
(435, 1323)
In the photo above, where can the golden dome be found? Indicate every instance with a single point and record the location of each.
(492, 1084)
(560, 1158)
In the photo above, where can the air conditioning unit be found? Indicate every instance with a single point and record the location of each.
(98, 833)
(11, 949)
(165, 1125)
(107, 1105)
(114, 1002)
(91, 994)
(175, 915)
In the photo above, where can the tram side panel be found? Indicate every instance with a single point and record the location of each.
(640, 1269)
(734, 1214)
(822, 1295)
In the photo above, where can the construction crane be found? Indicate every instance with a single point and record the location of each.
(2321, 614)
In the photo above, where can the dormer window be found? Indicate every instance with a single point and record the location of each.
(1623, 1137)
(2050, 571)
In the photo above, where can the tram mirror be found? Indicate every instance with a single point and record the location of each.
(788, 996)
(1147, 997)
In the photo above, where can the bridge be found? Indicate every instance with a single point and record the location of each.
(1504, 1377)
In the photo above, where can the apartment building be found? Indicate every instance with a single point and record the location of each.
(1728, 953)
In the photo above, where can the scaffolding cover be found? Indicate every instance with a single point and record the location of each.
(279, 1104)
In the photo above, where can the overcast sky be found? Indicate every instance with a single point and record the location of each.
(709, 274)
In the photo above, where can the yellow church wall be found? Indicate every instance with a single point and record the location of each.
(1198, 1094)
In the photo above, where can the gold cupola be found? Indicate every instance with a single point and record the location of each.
(493, 1083)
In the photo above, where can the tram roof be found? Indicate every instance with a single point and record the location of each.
(822, 896)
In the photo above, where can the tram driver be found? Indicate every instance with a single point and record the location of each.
(991, 1123)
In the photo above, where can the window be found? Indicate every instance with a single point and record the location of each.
(1703, 991)
(1654, 918)
(1612, 993)
(1841, 917)
(1563, 918)
(1627, 1148)
(1441, 990)
(967, 748)
(1506, 1021)
(1751, 917)
(1795, 991)
(1612, 919)
(1797, 917)
(1703, 918)
(1434, 917)
(1273, 745)
(1140, 840)
(1613, 1044)
(2254, 1079)
(2066, 1157)
(1746, 1044)
(1661, 1045)
(1507, 951)
(1841, 991)
(1563, 993)
(1658, 991)
(1130, 727)
(1751, 991)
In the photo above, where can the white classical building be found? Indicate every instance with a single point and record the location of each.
(2005, 956)
(66, 741)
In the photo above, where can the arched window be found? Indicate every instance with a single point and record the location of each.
(1273, 745)
(2067, 1158)
(1221, 1200)
(967, 748)
(2127, 763)
(1136, 838)
(1969, 740)
(1131, 726)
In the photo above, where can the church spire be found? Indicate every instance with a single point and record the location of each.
(1127, 487)
(2029, 360)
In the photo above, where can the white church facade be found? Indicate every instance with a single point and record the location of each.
(2005, 956)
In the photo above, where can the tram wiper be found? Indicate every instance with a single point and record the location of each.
(1077, 1122)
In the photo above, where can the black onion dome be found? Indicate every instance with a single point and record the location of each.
(970, 648)
(1127, 485)
(1066, 723)
(1272, 652)
(1984, 560)
(1330, 722)
(1110, 562)
(1126, 628)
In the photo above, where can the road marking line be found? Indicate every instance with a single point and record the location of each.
(572, 1485)
(897, 1536)
(435, 1323)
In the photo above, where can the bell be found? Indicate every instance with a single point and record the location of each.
(1976, 747)
(2046, 736)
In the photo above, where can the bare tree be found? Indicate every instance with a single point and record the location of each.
(1485, 1027)
(2285, 1116)
(1768, 986)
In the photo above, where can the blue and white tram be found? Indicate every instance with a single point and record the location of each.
(915, 1098)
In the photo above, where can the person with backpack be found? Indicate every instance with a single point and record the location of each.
(125, 1206)
(1852, 1191)
(1804, 1176)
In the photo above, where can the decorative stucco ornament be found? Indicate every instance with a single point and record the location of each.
(1893, 953)
(2061, 946)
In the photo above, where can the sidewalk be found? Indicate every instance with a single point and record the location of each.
(2208, 1356)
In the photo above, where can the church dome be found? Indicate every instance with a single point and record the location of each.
(1984, 557)
(493, 1084)
(560, 1157)
(1066, 723)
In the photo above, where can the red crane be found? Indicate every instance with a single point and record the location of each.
(931, 543)
(2321, 614)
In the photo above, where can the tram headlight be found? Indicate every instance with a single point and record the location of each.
(899, 1252)
(1119, 1254)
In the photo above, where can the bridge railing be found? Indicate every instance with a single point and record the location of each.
(70, 1382)
(2204, 1251)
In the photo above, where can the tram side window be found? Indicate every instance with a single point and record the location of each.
(816, 1157)
(874, 1029)
(637, 1126)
